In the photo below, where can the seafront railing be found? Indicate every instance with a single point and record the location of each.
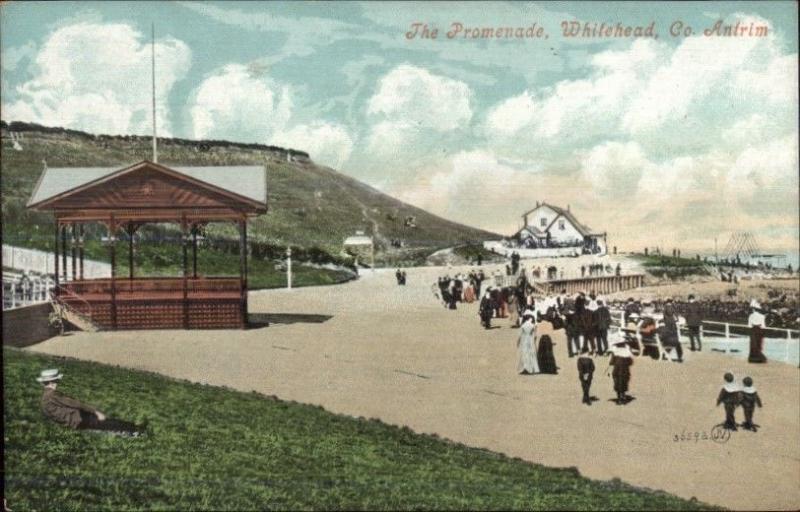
(725, 330)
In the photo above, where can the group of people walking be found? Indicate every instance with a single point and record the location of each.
(732, 396)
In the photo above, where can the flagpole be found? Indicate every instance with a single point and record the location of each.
(153, 48)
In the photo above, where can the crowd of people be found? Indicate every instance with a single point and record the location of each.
(647, 328)
(782, 309)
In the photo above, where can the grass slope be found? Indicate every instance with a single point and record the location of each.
(213, 448)
(671, 267)
(310, 205)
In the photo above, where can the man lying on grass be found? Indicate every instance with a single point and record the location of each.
(74, 414)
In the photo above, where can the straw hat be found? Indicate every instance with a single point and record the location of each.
(49, 376)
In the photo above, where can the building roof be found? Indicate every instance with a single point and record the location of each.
(583, 229)
(245, 181)
(532, 230)
(358, 240)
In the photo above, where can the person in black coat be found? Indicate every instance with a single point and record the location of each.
(694, 319)
(585, 374)
(486, 309)
(671, 336)
(602, 322)
(749, 399)
(546, 359)
(573, 332)
(731, 396)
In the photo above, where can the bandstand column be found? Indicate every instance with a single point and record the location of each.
(56, 269)
(64, 252)
(194, 252)
(243, 268)
(130, 251)
(184, 248)
(112, 240)
(73, 248)
(80, 249)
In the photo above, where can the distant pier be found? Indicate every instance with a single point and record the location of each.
(599, 284)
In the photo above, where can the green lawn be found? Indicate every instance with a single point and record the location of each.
(214, 448)
(672, 267)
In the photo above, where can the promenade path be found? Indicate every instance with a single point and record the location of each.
(380, 350)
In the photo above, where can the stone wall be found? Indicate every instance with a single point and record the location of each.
(27, 325)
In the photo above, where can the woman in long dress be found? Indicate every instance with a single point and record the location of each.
(526, 345)
(547, 361)
(469, 293)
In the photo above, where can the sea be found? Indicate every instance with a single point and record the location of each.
(781, 350)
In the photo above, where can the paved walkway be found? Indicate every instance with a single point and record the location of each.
(394, 353)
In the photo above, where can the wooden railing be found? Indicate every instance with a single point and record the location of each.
(153, 285)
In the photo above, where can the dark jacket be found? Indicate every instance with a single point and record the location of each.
(750, 400)
(729, 397)
(631, 307)
(585, 366)
(602, 318)
(63, 409)
(693, 315)
(572, 326)
(486, 307)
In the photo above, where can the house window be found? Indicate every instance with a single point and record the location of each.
(543, 222)
(561, 225)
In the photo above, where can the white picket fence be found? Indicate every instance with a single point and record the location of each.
(42, 262)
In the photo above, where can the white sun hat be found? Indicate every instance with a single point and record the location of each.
(49, 376)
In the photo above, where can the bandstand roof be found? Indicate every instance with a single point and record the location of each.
(147, 186)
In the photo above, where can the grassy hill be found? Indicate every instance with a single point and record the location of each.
(310, 206)
(212, 448)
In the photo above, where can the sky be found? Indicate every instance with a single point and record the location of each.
(671, 140)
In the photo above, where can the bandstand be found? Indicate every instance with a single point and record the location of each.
(125, 199)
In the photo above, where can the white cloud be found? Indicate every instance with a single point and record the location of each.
(421, 98)
(614, 168)
(327, 143)
(765, 170)
(233, 104)
(390, 139)
(656, 95)
(97, 77)
(511, 115)
(413, 107)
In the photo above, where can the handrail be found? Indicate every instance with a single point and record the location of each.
(64, 292)
(787, 330)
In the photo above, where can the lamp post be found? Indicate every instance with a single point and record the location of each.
(288, 268)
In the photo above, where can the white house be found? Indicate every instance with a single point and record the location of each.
(548, 226)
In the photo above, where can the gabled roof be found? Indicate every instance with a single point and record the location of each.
(246, 183)
(583, 229)
(533, 230)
